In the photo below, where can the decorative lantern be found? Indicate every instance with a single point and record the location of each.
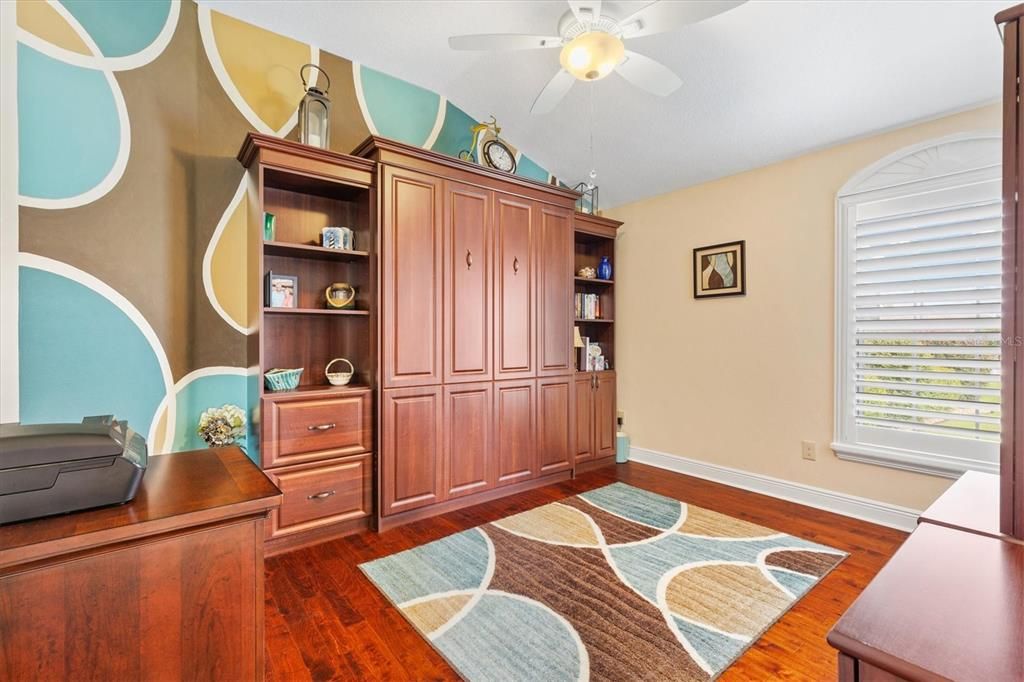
(587, 203)
(315, 112)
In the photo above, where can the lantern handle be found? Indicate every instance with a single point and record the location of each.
(305, 85)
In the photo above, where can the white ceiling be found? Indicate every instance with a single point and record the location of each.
(761, 83)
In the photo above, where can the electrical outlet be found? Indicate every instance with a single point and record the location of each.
(809, 450)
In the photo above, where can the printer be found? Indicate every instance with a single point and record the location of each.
(48, 469)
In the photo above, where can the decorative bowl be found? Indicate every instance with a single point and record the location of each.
(282, 379)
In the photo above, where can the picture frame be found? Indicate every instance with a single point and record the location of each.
(280, 291)
(720, 270)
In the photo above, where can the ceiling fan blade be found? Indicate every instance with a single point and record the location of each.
(553, 92)
(502, 41)
(664, 16)
(586, 11)
(647, 74)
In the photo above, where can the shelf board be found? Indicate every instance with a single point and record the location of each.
(601, 321)
(312, 251)
(314, 311)
(594, 280)
(315, 389)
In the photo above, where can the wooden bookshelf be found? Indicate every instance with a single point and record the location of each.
(595, 238)
(308, 189)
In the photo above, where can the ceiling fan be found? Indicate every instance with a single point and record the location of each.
(593, 44)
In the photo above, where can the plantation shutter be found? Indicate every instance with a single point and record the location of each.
(923, 327)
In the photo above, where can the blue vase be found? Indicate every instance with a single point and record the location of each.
(604, 268)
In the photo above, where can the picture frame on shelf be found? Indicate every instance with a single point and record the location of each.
(281, 291)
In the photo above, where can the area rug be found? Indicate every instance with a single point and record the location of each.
(614, 584)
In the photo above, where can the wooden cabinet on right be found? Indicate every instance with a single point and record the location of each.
(604, 414)
(583, 400)
(594, 402)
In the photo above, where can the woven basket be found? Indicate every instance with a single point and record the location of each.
(339, 378)
(282, 379)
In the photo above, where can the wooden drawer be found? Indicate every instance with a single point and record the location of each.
(322, 493)
(297, 430)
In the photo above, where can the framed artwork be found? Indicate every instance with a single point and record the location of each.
(282, 291)
(720, 270)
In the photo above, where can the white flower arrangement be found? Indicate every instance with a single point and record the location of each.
(220, 426)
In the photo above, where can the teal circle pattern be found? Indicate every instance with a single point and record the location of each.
(399, 110)
(68, 127)
(122, 28)
(81, 355)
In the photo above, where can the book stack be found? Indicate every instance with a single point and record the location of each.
(588, 307)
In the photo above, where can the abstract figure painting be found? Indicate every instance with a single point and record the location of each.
(720, 270)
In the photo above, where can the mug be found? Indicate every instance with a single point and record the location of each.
(331, 237)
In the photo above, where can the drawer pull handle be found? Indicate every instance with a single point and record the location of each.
(321, 427)
(321, 496)
(469, 259)
(515, 266)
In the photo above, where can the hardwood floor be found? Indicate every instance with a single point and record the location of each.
(325, 620)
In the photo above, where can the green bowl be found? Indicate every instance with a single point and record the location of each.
(282, 379)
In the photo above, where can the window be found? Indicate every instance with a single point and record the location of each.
(918, 309)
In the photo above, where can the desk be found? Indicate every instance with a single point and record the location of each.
(948, 605)
(168, 586)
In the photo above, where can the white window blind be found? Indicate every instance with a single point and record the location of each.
(920, 346)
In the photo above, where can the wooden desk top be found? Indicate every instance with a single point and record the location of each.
(970, 504)
(179, 490)
(948, 605)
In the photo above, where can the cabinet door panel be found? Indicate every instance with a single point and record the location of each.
(583, 397)
(514, 433)
(514, 312)
(604, 414)
(467, 265)
(554, 291)
(468, 458)
(411, 467)
(554, 424)
(411, 285)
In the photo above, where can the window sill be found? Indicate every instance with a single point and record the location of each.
(910, 460)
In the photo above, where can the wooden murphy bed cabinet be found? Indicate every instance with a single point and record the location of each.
(478, 371)
(317, 441)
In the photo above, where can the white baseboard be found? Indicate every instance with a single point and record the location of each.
(861, 508)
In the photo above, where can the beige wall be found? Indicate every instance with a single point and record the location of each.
(741, 381)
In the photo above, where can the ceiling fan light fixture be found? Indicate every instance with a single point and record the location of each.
(592, 55)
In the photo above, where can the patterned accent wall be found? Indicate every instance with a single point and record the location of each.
(133, 294)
